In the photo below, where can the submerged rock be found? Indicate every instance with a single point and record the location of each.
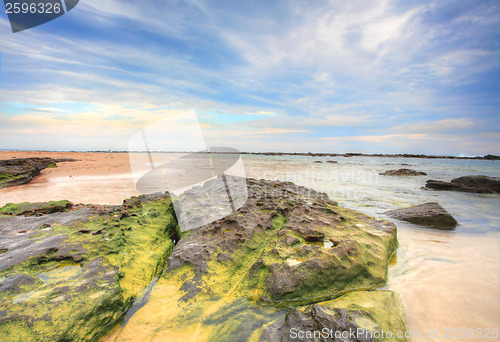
(428, 214)
(228, 279)
(402, 172)
(476, 184)
(356, 317)
(70, 275)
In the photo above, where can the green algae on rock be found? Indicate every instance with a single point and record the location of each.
(359, 314)
(22, 170)
(70, 275)
(286, 248)
(33, 209)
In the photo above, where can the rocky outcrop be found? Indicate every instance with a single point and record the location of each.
(476, 184)
(428, 214)
(35, 209)
(288, 256)
(22, 170)
(70, 275)
(351, 317)
(402, 172)
(287, 247)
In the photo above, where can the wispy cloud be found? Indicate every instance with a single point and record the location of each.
(272, 75)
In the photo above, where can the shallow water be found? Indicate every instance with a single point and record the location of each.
(446, 279)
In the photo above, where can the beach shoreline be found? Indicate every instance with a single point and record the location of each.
(308, 154)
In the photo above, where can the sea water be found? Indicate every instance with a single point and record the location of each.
(446, 279)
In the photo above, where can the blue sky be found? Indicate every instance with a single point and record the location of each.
(293, 76)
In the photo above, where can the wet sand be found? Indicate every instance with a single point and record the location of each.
(99, 178)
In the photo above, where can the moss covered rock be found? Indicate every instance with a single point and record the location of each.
(35, 209)
(71, 275)
(22, 170)
(356, 316)
(286, 248)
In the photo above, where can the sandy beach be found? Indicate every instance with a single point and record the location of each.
(100, 178)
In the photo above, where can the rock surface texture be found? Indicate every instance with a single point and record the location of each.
(289, 255)
(22, 170)
(428, 214)
(68, 275)
(403, 172)
(476, 184)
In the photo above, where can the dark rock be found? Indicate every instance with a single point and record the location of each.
(282, 200)
(318, 162)
(439, 185)
(475, 184)
(491, 184)
(334, 242)
(65, 160)
(315, 319)
(21, 171)
(271, 251)
(402, 172)
(336, 320)
(290, 240)
(332, 162)
(427, 214)
(311, 235)
(14, 283)
(223, 257)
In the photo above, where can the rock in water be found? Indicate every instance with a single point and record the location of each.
(22, 170)
(70, 275)
(428, 214)
(490, 184)
(476, 184)
(402, 172)
(229, 279)
(351, 317)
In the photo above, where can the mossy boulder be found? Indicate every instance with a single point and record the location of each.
(356, 316)
(35, 209)
(71, 275)
(22, 170)
(288, 247)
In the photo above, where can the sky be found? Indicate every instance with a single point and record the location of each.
(288, 76)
